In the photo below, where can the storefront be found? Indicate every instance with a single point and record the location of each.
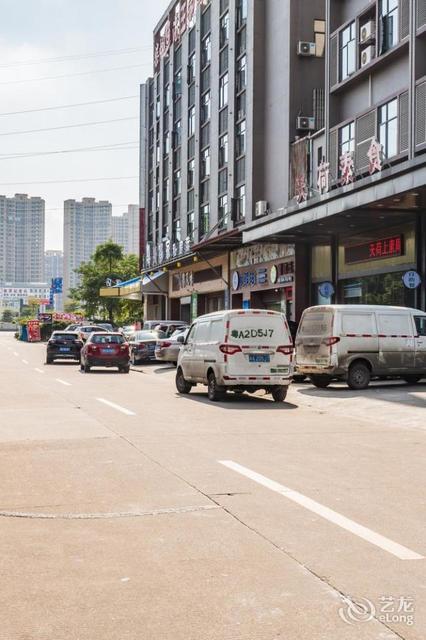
(199, 287)
(263, 276)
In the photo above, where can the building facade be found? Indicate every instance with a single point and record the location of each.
(217, 119)
(134, 229)
(54, 268)
(86, 225)
(120, 231)
(22, 223)
(359, 210)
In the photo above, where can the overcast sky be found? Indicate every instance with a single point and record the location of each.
(33, 30)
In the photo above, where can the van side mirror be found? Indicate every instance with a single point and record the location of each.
(180, 339)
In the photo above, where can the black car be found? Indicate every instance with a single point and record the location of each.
(63, 345)
(142, 345)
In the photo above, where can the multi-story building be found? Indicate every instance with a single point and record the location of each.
(86, 225)
(134, 228)
(120, 231)
(22, 239)
(54, 268)
(234, 82)
(360, 202)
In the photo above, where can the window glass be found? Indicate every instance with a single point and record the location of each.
(240, 142)
(206, 51)
(223, 91)
(223, 150)
(191, 334)
(224, 29)
(203, 331)
(347, 51)
(205, 163)
(191, 121)
(420, 325)
(241, 73)
(388, 128)
(216, 331)
(107, 339)
(388, 24)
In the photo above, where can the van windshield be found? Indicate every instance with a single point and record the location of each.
(259, 330)
(316, 323)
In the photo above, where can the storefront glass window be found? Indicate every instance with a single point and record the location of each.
(385, 289)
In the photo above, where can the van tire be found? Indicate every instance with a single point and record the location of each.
(359, 376)
(320, 381)
(183, 386)
(279, 393)
(412, 378)
(214, 392)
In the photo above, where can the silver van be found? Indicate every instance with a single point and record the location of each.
(358, 342)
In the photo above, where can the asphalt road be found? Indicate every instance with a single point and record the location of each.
(160, 517)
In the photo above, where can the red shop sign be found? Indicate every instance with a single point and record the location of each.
(375, 250)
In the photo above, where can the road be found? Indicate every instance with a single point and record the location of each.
(130, 513)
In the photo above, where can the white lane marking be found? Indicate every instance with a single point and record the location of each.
(64, 382)
(126, 412)
(38, 370)
(25, 361)
(401, 552)
(15, 353)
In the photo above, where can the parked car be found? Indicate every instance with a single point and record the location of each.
(63, 345)
(358, 342)
(106, 325)
(128, 331)
(168, 326)
(105, 349)
(168, 350)
(142, 345)
(73, 327)
(86, 330)
(239, 350)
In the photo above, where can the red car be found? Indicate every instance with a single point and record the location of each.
(105, 350)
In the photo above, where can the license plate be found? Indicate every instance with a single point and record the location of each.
(107, 350)
(64, 349)
(254, 357)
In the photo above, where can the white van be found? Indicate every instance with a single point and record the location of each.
(357, 342)
(239, 350)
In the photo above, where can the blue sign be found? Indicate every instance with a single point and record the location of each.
(57, 285)
(246, 304)
(411, 279)
(326, 289)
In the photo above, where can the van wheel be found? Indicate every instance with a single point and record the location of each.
(320, 381)
(86, 368)
(359, 376)
(182, 385)
(411, 378)
(214, 392)
(279, 393)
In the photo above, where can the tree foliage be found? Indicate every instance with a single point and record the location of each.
(107, 262)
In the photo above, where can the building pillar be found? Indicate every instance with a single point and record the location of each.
(303, 285)
(421, 259)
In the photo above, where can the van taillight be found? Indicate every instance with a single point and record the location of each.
(124, 347)
(230, 349)
(286, 349)
(330, 341)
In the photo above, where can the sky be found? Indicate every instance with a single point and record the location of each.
(40, 33)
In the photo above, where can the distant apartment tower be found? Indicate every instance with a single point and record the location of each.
(54, 268)
(133, 213)
(22, 239)
(86, 225)
(120, 231)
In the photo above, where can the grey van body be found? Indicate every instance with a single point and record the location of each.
(357, 342)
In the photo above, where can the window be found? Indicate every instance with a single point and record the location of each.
(223, 211)
(166, 96)
(204, 219)
(205, 107)
(191, 173)
(191, 40)
(178, 109)
(388, 128)
(178, 133)
(388, 24)
(241, 202)
(205, 22)
(205, 163)
(190, 200)
(347, 51)
(190, 224)
(223, 91)
(166, 142)
(205, 135)
(420, 325)
(224, 60)
(241, 73)
(205, 191)
(206, 51)
(205, 79)
(240, 141)
(191, 69)
(191, 147)
(223, 181)
(177, 231)
(178, 84)
(224, 4)
(241, 12)
(166, 190)
(241, 41)
(223, 151)
(191, 95)
(240, 170)
(191, 121)
(346, 139)
(223, 120)
(224, 29)
(177, 186)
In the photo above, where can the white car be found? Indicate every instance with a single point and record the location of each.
(238, 350)
(357, 342)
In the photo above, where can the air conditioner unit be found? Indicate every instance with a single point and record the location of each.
(305, 123)
(306, 49)
(262, 208)
(367, 32)
(367, 55)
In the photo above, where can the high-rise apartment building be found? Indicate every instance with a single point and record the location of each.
(86, 225)
(54, 268)
(133, 217)
(22, 222)
(120, 231)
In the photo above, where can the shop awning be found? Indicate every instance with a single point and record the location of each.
(221, 243)
(155, 282)
(130, 290)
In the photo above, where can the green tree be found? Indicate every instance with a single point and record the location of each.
(108, 262)
(8, 316)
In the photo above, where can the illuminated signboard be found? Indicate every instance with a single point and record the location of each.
(375, 250)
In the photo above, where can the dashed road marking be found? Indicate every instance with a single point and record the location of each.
(25, 361)
(126, 412)
(401, 552)
(64, 382)
(15, 353)
(38, 370)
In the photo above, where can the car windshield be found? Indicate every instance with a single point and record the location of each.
(91, 329)
(107, 339)
(148, 335)
(65, 336)
(179, 332)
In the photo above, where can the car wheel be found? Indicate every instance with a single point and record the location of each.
(412, 378)
(182, 385)
(320, 381)
(359, 376)
(49, 360)
(86, 368)
(124, 369)
(279, 393)
(214, 391)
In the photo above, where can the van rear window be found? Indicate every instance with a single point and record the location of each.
(316, 324)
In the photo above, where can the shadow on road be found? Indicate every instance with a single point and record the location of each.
(243, 402)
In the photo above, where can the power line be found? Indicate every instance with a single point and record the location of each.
(80, 73)
(18, 184)
(114, 206)
(75, 56)
(68, 106)
(68, 126)
(121, 146)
